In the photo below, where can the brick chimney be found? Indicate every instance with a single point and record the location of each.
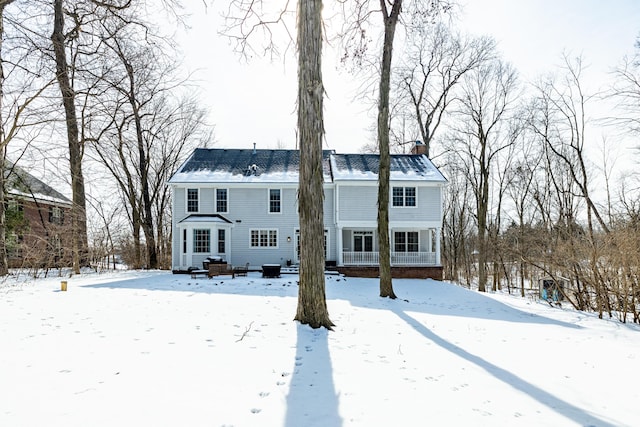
(419, 148)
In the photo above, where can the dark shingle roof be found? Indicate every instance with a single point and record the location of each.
(224, 165)
(366, 167)
(282, 166)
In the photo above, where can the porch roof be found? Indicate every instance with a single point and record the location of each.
(205, 218)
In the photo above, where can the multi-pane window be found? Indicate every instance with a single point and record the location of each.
(221, 200)
(184, 241)
(192, 200)
(221, 241)
(264, 238)
(274, 201)
(406, 241)
(403, 196)
(363, 241)
(201, 240)
(56, 215)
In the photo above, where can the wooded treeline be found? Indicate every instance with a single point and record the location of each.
(94, 89)
(535, 189)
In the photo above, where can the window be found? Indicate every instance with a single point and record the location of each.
(221, 200)
(14, 206)
(201, 240)
(184, 241)
(363, 241)
(221, 241)
(274, 201)
(56, 215)
(403, 196)
(264, 238)
(192, 200)
(405, 241)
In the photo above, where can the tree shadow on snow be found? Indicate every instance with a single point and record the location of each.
(312, 399)
(552, 402)
(441, 299)
(425, 296)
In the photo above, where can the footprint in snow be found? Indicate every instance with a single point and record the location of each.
(255, 410)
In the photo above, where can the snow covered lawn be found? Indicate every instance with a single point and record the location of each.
(156, 349)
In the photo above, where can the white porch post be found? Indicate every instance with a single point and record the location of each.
(438, 246)
(339, 245)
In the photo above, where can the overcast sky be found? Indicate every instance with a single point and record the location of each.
(255, 101)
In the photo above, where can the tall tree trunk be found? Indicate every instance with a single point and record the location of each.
(483, 209)
(390, 21)
(78, 208)
(312, 305)
(4, 264)
(143, 165)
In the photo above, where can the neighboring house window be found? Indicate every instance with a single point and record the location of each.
(264, 238)
(15, 206)
(221, 241)
(192, 200)
(221, 200)
(404, 196)
(56, 215)
(274, 201)
(55, 245)
(406, 241)
(201, 240)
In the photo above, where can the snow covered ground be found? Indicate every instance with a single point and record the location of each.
(156, 349)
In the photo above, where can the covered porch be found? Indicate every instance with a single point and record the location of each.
(410, 247)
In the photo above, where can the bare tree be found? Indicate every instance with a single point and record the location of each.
(356, 42)
(312, 306)
(3, 247)
(22, 109)
(76, 150)
(390, 19)
(253, 18)
(625, 91)
(434, 63)
(487, 101)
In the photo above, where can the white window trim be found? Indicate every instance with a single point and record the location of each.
(215, 201)
(193, 240)
(277, 246)
(186, 200)
(269, 201)
(407, 241)
(404, 197)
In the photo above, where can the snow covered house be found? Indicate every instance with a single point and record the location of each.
(241, 205)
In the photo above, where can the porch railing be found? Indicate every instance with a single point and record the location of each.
(397, 258)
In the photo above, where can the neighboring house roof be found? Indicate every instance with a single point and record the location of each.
(22, 184)
(282, 166)
(233, 165)
(365, 167)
